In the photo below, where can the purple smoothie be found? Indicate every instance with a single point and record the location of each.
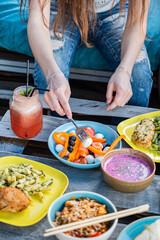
(129, 168)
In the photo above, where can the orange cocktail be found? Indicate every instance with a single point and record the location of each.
(26, 114)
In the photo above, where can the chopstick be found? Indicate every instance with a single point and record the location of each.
(95, 220)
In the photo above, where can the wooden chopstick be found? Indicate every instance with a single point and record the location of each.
(95, 220)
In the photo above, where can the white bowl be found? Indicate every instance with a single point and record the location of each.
(58, 205)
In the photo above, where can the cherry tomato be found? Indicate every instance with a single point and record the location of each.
(97, 145)
(77, 160)
(83, 161)
(83, 152)
(90, 131)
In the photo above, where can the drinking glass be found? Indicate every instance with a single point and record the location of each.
(26, 113)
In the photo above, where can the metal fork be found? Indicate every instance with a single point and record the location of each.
(81, 133)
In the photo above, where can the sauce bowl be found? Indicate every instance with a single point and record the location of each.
(58, 205)
(123, 185)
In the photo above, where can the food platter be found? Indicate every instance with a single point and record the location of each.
(37, 209)
(127, 127)
(108, 133)
(135, 228)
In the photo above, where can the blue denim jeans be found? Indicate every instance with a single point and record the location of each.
(107, 37)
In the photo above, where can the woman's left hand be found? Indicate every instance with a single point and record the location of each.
(120, 84)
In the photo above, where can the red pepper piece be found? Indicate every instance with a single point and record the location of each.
(96, 234)
(76, 234)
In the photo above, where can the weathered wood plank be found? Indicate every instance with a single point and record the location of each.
(12, 145)
(17, 66)
(91, 180)
(99, 73)
(95, 108)
(49, 124)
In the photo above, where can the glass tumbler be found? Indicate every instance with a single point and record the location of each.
(26, 113)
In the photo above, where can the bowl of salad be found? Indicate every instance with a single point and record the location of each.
(80, 205)
(67, 147)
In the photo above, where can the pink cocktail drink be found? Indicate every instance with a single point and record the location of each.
(26, 114)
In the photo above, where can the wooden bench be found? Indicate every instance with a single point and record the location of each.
(14, 63)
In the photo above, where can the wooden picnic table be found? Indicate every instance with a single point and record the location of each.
(11, 145)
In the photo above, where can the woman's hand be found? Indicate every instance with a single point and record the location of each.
(58, 96)
(120, 84)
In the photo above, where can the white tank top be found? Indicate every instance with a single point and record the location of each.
(104, 5)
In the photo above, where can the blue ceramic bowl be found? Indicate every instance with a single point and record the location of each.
(58, 205)
(108, 133)
(135, 228)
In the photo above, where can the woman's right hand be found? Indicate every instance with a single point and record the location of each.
(58, 96)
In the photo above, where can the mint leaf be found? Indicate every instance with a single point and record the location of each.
(24, 93)
(29, 91)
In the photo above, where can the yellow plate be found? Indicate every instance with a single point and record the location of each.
(127, 127)
(37, 209)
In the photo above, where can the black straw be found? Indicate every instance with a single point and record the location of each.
(27, 82)
(37, 88)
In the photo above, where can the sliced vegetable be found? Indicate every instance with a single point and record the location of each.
(97, 145)
(80, 145)
(102, 140)
(56, 137)
(90, 131)
(77, 160)
(115, 142)
(72, 155)
(95, 235)
(69, 143)
(83, 161)
(96, 151)
(63, 153)
(83, 152)
(76, 234)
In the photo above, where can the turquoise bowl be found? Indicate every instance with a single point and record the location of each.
(58, 205)
(108, 133)
(135, 228)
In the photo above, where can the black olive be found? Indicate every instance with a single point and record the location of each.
(73, 138)
(106, 145)
(71, 142)
(70, 149)
(91, 153)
